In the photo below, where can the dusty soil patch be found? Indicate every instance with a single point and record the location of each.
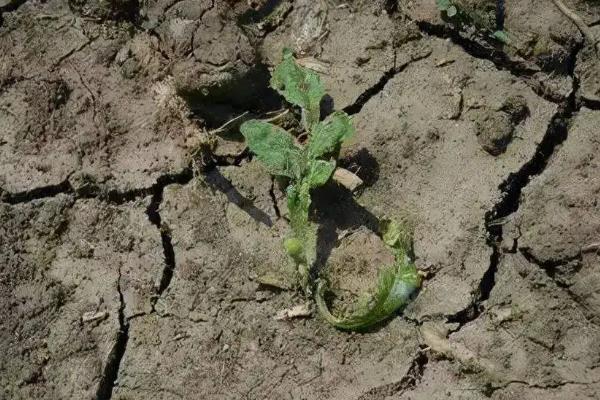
(142, 254)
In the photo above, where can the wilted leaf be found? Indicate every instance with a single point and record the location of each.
(320, 172)
(395, 235)
(329, 134)
(274, 147)
(299, 86)
(395, 287)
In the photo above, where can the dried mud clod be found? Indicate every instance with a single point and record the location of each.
(494, 131)
(495, 128)
(106, 9)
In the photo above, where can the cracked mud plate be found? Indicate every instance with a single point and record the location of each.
(141, 255)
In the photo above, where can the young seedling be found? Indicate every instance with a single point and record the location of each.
(308, 166)
(462, 16)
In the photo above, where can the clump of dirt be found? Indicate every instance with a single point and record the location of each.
(495, 128)
(587, 69)
(494, 131)
(106, 9)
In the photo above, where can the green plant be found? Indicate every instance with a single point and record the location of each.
(447, 7)
(461, 15)
(311, 165)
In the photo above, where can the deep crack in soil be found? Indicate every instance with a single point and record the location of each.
(37, 193)
(375, 89)
(113, 362)
(154, 216)
(482, 50)
(511, 189)
(409, 381)
(111, 368)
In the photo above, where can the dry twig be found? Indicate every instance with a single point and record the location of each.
(582, 26)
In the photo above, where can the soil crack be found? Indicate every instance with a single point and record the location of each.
(481, 50)
(375, 89)
(36, 193)
(113, 196)
(409, 381)
(549, 265)
(557, 385)
(113, 362)
(154, 217)
(511, 189)
(274, 198)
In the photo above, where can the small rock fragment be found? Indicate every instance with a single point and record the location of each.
(299, 311)
(347, 179)
(494, 131)
(93, 316)
(516, 108)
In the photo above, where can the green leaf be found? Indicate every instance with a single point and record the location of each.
(299, 86)
(274, 147)
(395, 235)
(395, 287)
(328, 135)
(443, 5)
(501, 36)
(451, 11)
(320, 172)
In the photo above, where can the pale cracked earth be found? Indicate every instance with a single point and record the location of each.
(133, 266)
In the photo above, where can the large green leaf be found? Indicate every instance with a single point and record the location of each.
(328, 135)
(320, 172)
(299, 86)
(274, 147)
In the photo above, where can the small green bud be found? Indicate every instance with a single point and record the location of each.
(293, 247)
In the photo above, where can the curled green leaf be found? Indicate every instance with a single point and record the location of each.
(501, 36)
(395, 287)
(274, 147)
(396, 236)
(451, 11)
(299, 86)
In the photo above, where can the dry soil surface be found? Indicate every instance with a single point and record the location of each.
(140, 245)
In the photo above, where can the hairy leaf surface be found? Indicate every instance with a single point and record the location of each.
(274, 147)
(299, 86)
(320, 172)
(329, 134)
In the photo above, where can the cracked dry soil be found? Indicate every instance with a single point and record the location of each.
(133, 268)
